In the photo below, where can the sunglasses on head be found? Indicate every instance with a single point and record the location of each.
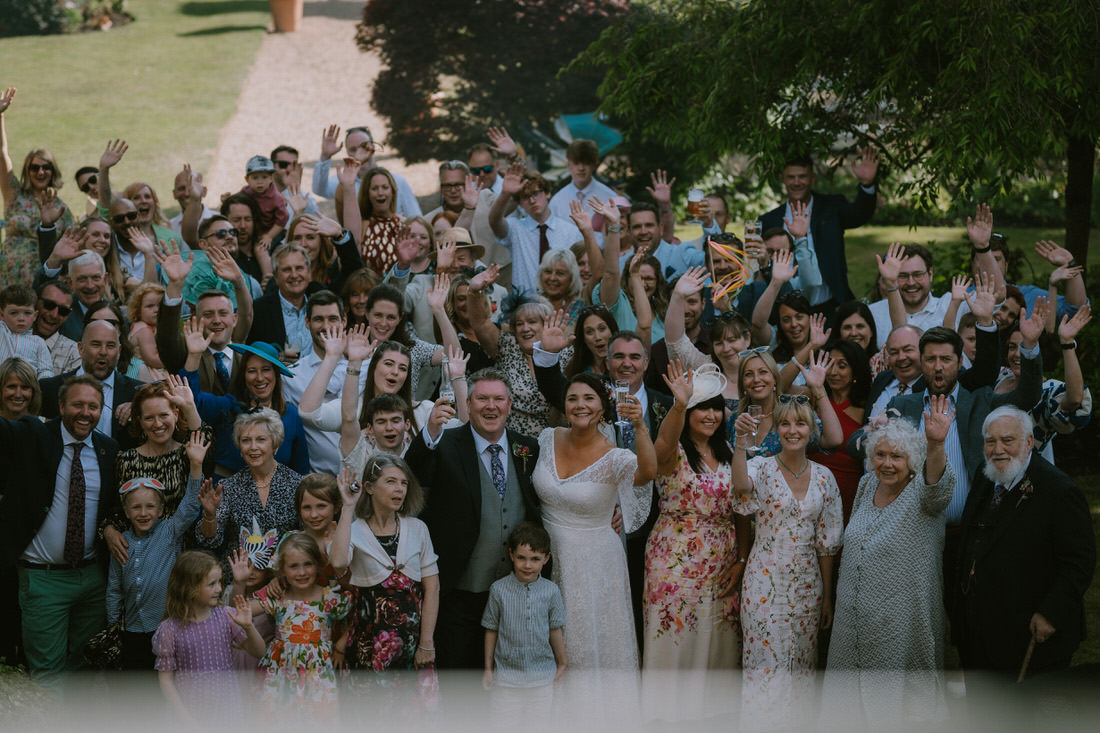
(752, 352)
(88, 183)
(798, 399)
(140, 483)
(789, 296)
(40, 168)
(62, 310)
(123, 218)
(478, 170)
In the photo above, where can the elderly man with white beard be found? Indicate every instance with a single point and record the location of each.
(1027, 555)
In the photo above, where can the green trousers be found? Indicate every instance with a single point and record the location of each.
(62, 609)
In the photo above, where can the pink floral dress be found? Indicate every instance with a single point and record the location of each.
(298, 671)
(688, 625)
(782, 591)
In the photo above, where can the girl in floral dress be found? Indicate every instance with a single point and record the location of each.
(298, 671)
(394, 574)
(694, 557)
(787, 590)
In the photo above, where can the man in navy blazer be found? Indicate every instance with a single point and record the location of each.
(830, 215)
(49, 515)
(447, 465)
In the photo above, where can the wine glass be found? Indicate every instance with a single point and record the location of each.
(756, 412)
(622, 395)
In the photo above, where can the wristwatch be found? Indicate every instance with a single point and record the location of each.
(1070, 346)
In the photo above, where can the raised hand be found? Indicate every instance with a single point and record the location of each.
(485, 279)
(501, 141)
(295, 198)
(631, 410)
(889, 267)
(142, 242)
(113, 154)
(242, 615)
(293, 176)
(179, 392)
(437, 296)
(799, 223)
(407, 248)
(980, 227)
(348, 484)
(661, 190)
(960, 284)
(938, 417)
(197, 446)
(196, 189)
(783, 267)
(349, 172)
(50, 207)
(1052, 253)
(982, 303)
(71, 245)
(175, 268)
(1064, 273)
(865, 167)
(608, 210)
(238, 562)
(223, 264)
(692, 281)
(457, 359)
(330, 142)
(6, 99)
(194, 338)
(210, 497)
(1032, 326)
(335, 341)
(579, 216)
(554, 336)
(818, 368)
(359, 347)
(1070, 327)
(679, 381)
(442, 411)
(445, 248)
(513, 179)
(470, 193)
(819, 335)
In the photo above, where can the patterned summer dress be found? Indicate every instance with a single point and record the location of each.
(19, 252)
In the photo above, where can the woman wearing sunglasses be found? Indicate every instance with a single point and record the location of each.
(30, 201)
(787, 590)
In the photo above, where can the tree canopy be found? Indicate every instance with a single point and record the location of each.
(953, 92)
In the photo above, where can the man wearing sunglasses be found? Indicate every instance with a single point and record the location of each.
(289, 171)
(55, 301)
(483, 160)
(87, 182)
(361, 146)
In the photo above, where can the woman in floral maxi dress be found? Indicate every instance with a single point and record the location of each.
(787, 591)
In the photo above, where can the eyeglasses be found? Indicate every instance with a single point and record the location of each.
(62, 310)
(798, 399)
(750, 352)
(452, 186)
(283, 164)
(222, 233)
(40, 168)
(123, 218)
(140, 483)
(88, 183)
(904, 277)
(478, 170)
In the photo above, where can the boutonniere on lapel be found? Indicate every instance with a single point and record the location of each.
(659, 412)
(522, 452)
(1025, 492)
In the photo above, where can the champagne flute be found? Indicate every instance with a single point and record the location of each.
(756, 412)
(622, 395)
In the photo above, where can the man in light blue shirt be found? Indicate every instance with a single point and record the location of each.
(361, 146)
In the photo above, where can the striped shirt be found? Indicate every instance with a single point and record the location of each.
(953, 448)
(136, 591)
(28, 347)
(523, 614)
(63, 351)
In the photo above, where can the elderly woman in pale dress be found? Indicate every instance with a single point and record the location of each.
(886, 652)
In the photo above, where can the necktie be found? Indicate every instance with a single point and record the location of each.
(222, 370)
(903, 388)
(500, 480)
(999, 491)
(630, 438)
(74, 527)
(544, 241)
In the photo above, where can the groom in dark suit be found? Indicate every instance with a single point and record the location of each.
(1027, 555)
(478, 483)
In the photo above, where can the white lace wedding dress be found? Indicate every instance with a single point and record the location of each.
(589, 565)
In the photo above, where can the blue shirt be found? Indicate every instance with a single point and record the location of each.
(676, 259)
(523, 614)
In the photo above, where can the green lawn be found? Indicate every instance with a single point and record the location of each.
(167, 83)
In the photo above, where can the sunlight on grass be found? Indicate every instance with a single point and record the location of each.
(167, 83)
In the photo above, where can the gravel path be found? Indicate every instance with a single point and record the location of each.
(299, 84)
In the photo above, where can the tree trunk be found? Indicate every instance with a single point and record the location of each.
(1080, 157)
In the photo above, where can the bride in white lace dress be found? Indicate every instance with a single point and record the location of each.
(579, 477)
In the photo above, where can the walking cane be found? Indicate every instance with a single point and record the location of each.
(1027, 659)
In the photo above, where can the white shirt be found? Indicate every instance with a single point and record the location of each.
(523, 241)
(48, 546)
(324, 446)
(930, 315)
(559, 203)
(105, 414)
(481, 443)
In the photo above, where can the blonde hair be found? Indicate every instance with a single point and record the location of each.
(299, 542)
(133, 303)
(742, 367)
(796, 410)
(184, 583)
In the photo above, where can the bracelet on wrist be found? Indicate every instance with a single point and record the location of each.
(891, 290)
(982, 250)
(459, 378)
(355, 372)
(1070, 346)
(614, 229)
(425, 649)
(468, 208)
